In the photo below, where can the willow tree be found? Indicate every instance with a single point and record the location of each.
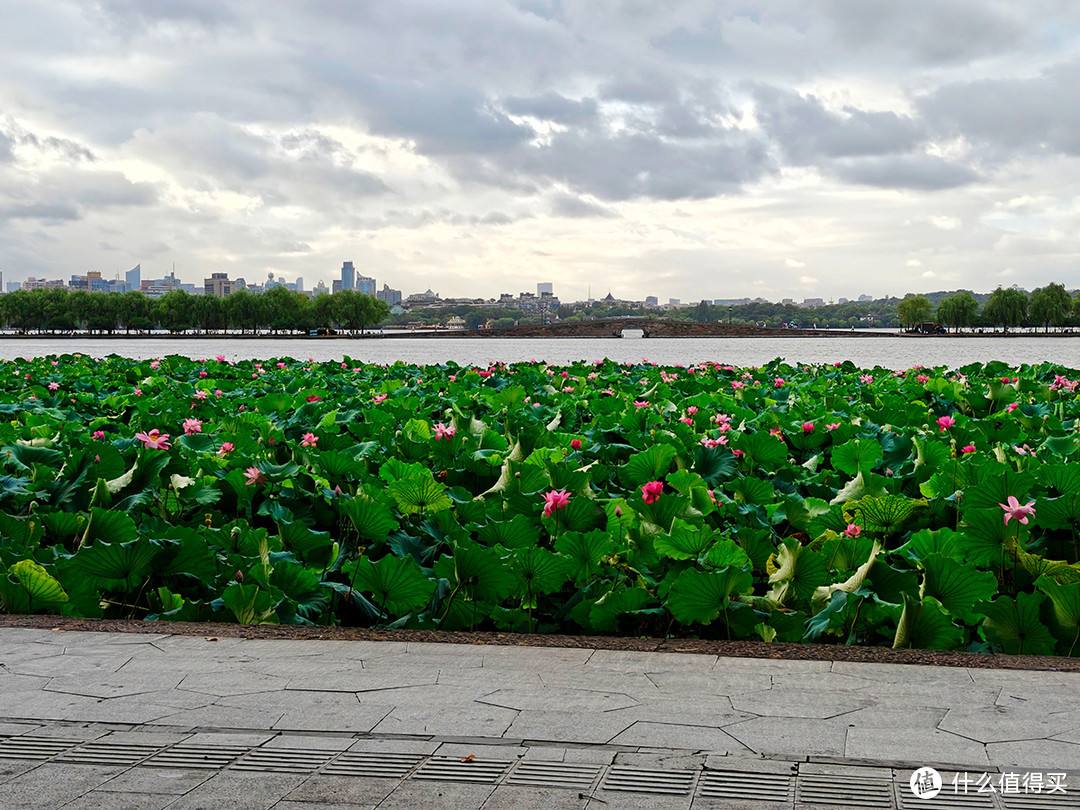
(1050, 305)
(914, 309)
(1007, 307)
(958, 310)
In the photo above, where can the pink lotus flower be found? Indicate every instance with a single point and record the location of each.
(650, 492)
(832, 426)
(575, 444)
(203, 374)
(777, 432)
(314, 398)
(778, 382)
(1013, 509)
(945, 422)
(154, 440)
(714, 442)
(686, 420)
(736, 385)
(443, 432)
(155, 365)
(309, 440)
(221, 358)
(254, 477)
(808, 427)
(484, 373)
(192, 426)
(219, 393)
(922, 378)
(738, 453)
(852, 530)
(866, 379)
(54, 386)
(1012, 406)
(282, 365)
(692, 409)
(98, 434)
(968, 448)
(555, 500)
(640, 404)
(226, 447)
(378, 398)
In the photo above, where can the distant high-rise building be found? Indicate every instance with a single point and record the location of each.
(864, 297)
(336, 287)
(320, 288)
(543, 287)
(299, 284)
(673, 302)
(391, 297)
(365, 285)
(652, 301)
(348, 276)
(218, 285)
(133, 277)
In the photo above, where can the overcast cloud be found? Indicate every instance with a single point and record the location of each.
(688, 149)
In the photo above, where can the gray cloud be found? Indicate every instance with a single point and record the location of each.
(553, 107)
(922, 172)
(567, 205)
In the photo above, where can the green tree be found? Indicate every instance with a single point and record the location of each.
(241, 311)
(103, 312)
(1006, 307)
(134, 311)
(914, 309)
(1050, 305)
(175, 311)
(958, 310)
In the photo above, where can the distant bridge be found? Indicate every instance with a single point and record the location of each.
(614, 327)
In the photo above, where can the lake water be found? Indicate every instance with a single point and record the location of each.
(888, 352)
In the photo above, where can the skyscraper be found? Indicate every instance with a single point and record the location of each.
(348, 276)
(133, 277)
(365, 285)
(544, 287)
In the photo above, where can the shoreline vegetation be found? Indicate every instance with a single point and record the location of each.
(926, 508)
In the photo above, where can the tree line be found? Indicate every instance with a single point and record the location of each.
(1006, 308)
(281, 311)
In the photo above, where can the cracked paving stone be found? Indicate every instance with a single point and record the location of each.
(799, 703)
(674, 735)
(1005, 724)
(583, 700)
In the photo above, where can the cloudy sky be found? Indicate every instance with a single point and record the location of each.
(680, 148)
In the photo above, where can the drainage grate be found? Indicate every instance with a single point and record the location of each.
(838, 791)
(946, 800)
(454, 769)
(572, 775)
(365, 763)
(33, 747)
(109, 753)
(746, 786)
(1041, 801)
(210, 757)
(284, 760)
(642, 780)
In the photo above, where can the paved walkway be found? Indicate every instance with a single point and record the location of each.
(94, 720)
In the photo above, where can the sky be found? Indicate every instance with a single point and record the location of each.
(686, 149)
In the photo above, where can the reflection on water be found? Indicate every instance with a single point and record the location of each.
(868, 352)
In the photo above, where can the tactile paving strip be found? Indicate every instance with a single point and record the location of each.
(365, 763)
(844, 791)
(570, 775)
(206, 757)
(644, 780)
(283, 760)
(468, 769)
(747, 786)
(34, 747)
(109, 753)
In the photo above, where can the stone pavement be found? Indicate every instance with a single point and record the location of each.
(95, 720)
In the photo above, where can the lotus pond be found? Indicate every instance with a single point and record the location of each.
(927, 508)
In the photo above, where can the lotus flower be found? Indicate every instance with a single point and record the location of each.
(192, 426)
(852, 530)
(309, 440)
(254, 477)
(154, 440)
(945, 422)
(1014, 509)
(444, 432)
(650, 492)
(555, 500)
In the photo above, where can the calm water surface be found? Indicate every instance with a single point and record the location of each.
(868, 352)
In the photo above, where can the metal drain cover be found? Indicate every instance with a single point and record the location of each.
(284, 760)
(840, 791)
(570, 775)
(109, 753)
(364, 763)
(33, 747)
(746, 786)
(208, 757)
(946, 800)
(1040, 801)
(643, 780)
(454, 769)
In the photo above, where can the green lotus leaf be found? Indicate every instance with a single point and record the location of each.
(726, 553)
(685, 542)
(536, 571)
(314, 548)
(584, 553)
(714, 464)
(1014, 624)
(996, 487)
(249, 604)
(702, 597)
(1059, 479)
(924, 625)
(922, 544)
(799, 572)
(605, 613)
(518, 532)
(857, 455)
(302, 587)
(372, 519)
(41, 587)
(478, 572)
(762, 450)
(956, 586)
(1065, 599)
(116, 566)
(886, 513)
(649, 465)
(419, 493)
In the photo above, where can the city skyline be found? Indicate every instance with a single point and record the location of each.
(788, 149)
